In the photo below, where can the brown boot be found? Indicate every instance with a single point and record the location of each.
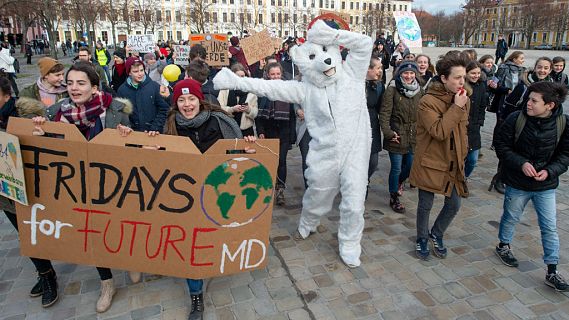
(106, 297)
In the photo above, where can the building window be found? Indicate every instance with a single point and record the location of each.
(351, 6)
(105, 36)
(178, 16)
(321, 4)
(280, 2)
(280, 17)
(232, 17)
(215, 17)
(405, 7)
(364, 6)
(158, 15)
(476, 37)
(168, 16)
(206, 17)
(249, 17)
(534, 36)
(357, 19)
(544, 37)
(332, 5)
(136, 15)
(351, 20)
(160, 35)
(304, 18)
(103, 16)
(260, 18)
(272, 2)
(286, 17)
(225, 17)
(485, 34)
(492, 37)
(357, 6)
(179, 35)
(231, 1)
(400, 7)
(493, 23)
(169, 35)
(343, 5)
(294, 18)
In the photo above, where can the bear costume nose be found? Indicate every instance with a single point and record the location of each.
(328, 61)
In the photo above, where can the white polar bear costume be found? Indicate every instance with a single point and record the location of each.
(333, 97)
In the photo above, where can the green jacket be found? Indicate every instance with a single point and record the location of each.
(33, 92)
(399, 114)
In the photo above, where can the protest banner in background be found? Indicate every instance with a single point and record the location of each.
(110, 202)
(141, 42)
(182, 55)
(12, 183)
(343, 15)
(408, 29)
(259, 46)
(216, 47)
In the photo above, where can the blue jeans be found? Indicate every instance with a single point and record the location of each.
(400, 169)
(106, 68)
(195, 286)
(470, 163)
(515, 202)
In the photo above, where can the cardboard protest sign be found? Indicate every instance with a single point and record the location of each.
(173, 211)
(12, 183)
(141, 42)
(216, 47)
(259, 46)
(182, 55)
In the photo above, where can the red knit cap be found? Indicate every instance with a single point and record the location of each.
(130, 61)
(187, 86)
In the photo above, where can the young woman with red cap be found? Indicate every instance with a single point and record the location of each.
(204, 123)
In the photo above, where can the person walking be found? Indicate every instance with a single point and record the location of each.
(534, 145)
(501, 48)
(442, 146)
(398, 119)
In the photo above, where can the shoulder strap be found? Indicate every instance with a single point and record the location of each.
(520, 124)
(560, 122)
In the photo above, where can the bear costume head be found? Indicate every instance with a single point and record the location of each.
(321, 65)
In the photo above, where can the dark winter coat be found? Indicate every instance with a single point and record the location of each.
(7, 110)
(478, 102)
(204, 136)
(519, 97)
(501, 48)
(149, 108)
(118, 80)
(374, 96)
(398, 114)
(536, 145)
(509, 75)
(210, 93)
(560, 78)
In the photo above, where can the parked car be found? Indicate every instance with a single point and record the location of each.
(562, 47)
(543, 46)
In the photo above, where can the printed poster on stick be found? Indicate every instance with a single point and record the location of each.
(408, 28)
(182, 55)
(110, 202)
(216, 47)
(13, 185)
(259, 46)
(141, 42)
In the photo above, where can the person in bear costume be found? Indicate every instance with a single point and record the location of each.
(333, 97)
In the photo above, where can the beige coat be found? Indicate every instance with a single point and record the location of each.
(442, 145)
(247, 118)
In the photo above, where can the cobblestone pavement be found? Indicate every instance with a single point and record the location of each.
(307, 280)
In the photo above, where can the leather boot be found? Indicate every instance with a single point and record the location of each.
(48, 286)
(279, 196)
(106, 297)
(196, 312)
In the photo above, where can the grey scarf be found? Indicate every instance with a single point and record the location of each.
(228, 126)
(410, 90)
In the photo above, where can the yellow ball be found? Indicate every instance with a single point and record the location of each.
(171, 73)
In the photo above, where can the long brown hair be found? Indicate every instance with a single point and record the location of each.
(170, 126)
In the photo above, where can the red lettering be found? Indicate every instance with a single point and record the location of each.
(159, 243)
(194, 247)
(134, 224)
(86, 230)
(171, 242)
(105, 238)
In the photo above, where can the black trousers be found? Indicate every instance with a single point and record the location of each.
(42, 265)
(279, 129)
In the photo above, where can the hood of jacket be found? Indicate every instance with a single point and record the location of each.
(29, 108)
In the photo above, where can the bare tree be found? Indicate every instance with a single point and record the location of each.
(144, 13)
(25, 15)
(533, 16)
(474, 14)
(559, 22)
(198, 11)
(49, 16)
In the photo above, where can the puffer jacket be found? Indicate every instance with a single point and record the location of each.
(519, 97)
(509, 75)
(149, 108)
(398, 114)
(478, 103)
(536, 145)
(442, 146)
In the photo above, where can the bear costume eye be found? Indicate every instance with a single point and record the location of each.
(312, 56)
(324, 49)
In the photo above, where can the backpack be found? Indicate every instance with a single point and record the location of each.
(560, 122)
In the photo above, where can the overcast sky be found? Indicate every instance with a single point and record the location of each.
(432, 6)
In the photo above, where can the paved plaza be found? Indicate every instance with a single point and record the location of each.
(307, 280)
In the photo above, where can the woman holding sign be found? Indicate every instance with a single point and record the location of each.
(46, 287)
(91, 111)
(204, 123)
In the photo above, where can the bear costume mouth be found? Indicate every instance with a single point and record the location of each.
(330, 72)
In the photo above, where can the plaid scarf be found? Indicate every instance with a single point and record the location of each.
(86, 116)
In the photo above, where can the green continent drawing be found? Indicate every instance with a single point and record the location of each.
(239, 178)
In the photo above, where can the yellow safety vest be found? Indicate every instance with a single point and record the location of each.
(101, 57)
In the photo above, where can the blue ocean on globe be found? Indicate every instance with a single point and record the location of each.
(408, 29)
